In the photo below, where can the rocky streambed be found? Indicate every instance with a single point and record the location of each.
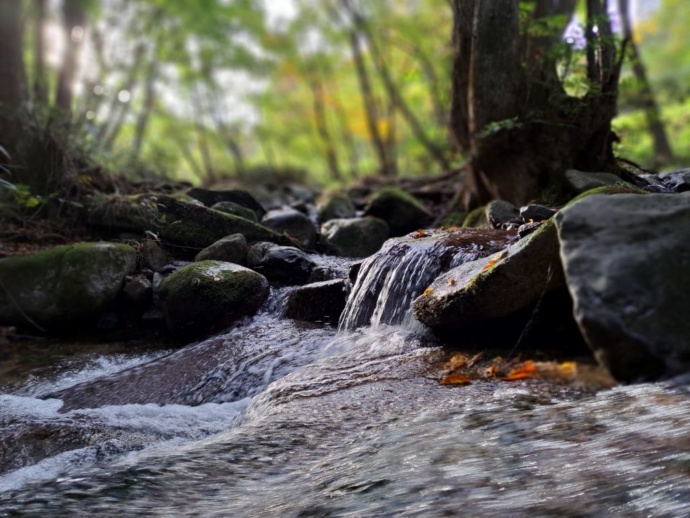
(302, 380)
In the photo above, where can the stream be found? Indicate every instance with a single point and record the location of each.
(280, 418)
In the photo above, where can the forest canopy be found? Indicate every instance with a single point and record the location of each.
(318, 91)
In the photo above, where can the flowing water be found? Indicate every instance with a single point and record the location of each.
(277, 418)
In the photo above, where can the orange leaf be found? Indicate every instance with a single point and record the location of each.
(455, 379)
(491, 263)
(527, 370)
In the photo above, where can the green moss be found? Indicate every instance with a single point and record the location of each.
(455, 219)
(195, 226)
(63, 284)
(396, 193)
(476, 219)
(402, 211)
(209, 295)
(608, 189)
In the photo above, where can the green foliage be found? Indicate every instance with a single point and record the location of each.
(505, 125)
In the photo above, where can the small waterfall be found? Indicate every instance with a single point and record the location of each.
(389, 281)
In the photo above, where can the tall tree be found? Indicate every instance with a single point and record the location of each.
(74, 18)
(662, 148)
(13, 87)
(511, 112)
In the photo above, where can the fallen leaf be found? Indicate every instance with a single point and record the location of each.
(428, 291)
(451, 282)
(457, 361)
(455, 379)
(528, 370)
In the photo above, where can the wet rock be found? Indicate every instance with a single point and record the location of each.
(499, 212)
(321, 302)
(626, 259)
(122, 213)
(536, 213)
(581, 181)
(63, 285)
(292, 223)
(256, 253)
(402, 211)
(231, 249)
(527, 228)
(514, 224)
(286, 265)
(204, 297)
(335, 206)
(210, 198)
(391, 279)
(676, 181)
(229, 207)
(198, 227)
(138, 290)
(154, 257)
(493, 287)
(357, 237)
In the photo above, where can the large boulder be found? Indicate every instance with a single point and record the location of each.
(198, 227)
(63, 285)
(580, 181)
(293, 223)
(493, 287)
(210, 197)
(204, 297)
(403, 212)
(626, 259)
(356, 237)
(321, 302)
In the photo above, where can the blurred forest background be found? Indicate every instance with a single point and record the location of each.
(316, 91)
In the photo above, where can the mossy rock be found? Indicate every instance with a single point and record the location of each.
(403, 212)
(335, 206)
(476, 219)
(357, 237)
(496, 286)
(454, 219)
(608, 190)
(64, 285)
(198, 227)
(209, 296)
(229, 207)
(210, 197)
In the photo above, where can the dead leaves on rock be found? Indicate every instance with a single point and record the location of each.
(461, 369)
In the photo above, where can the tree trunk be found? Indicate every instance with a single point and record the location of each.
(521, 129)
(322, 128)
(13, 89)
(347, 135)
(74, 18)
(663, 153)
(40, 79)
(386, 167)
(146, 108)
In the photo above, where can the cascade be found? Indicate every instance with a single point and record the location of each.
(390, 280)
